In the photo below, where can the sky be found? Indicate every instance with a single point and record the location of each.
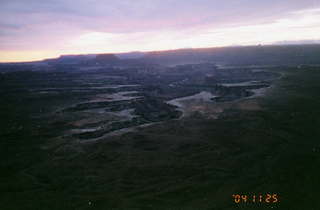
(38, 29)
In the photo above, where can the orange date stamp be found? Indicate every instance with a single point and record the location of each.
(256, 198)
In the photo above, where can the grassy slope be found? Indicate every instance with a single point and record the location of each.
(188, 164)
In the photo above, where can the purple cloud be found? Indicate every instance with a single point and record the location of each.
(38, 24)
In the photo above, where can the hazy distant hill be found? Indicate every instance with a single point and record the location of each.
(249, 55)
(70, 59)
(130, 55)
(289, 54)
(85, 59)
(105, 59)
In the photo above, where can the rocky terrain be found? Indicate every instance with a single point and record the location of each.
(111, 99)
(123, 133)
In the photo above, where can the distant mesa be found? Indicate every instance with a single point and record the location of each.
(130, 55)
(106, 59)
(244, 55)
(70, 59)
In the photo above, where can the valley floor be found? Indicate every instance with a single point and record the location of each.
(252, 146)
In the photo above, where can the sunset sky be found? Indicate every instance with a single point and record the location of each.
(37, 29)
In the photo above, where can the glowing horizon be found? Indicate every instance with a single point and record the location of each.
(48, 30)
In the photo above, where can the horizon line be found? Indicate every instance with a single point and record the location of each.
(165, 50)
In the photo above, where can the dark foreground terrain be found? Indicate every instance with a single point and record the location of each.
(154, 137)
